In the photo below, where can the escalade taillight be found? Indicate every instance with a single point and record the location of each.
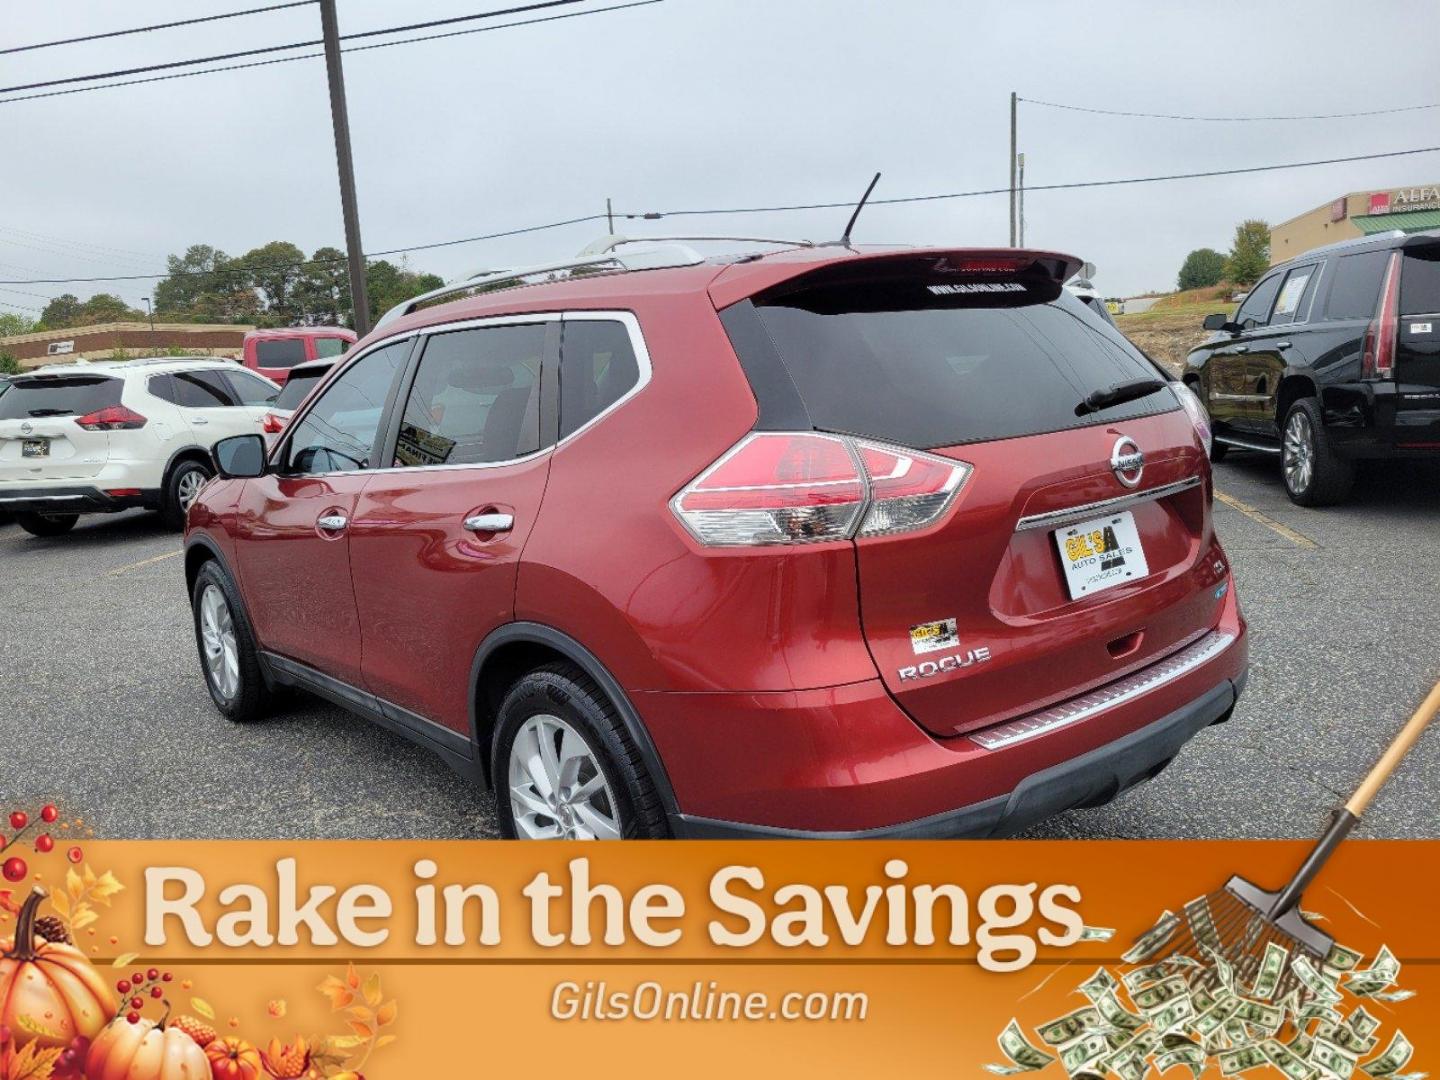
(112, 418)
(805, 487)
(1377, 357)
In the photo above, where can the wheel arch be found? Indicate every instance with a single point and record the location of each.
(193, 452)
(1293, 386)
(515, 648)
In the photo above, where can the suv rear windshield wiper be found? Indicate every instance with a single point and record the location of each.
(52, 412)
(1118, 394)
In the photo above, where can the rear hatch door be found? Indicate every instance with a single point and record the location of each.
(1417, 346)
(39, 438)
(977, 619)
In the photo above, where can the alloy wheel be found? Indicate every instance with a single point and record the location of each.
(188, 489)
(222, 647)
(1299, 451)
(558, 790)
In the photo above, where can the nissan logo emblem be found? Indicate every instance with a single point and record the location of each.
(26, 428)
(1127, 461)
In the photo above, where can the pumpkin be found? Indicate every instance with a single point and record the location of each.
(145, 1051)
(49, 993)
(234, 1059)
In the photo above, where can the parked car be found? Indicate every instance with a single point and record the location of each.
(1332, 358)
(1087, 294)
(273, 353)
(303, 379)
(99, 437)
(822, 542)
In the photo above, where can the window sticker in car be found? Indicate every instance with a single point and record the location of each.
(1289, 301)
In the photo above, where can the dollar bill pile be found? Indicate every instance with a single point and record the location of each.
(1198, 1012)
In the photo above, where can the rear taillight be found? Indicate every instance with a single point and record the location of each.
(112, 418)
(272, 424)
(1377, 357)
(802, 487)
(1191, 403)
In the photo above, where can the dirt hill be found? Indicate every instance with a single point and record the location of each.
(1171, 328)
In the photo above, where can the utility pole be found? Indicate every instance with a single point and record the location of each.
(1013, 100)
(359, 300)
(1020, 197)
(609, 218)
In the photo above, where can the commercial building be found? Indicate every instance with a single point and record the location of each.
(122, 340)
(1360, 213)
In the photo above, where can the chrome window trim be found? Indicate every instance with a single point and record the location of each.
(1055, 518)
(1164, 671)
(637, 343)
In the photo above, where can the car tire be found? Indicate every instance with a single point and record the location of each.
(1314, 474)
(186, 480)
(1218, 449)
(46, 524)
(591, 785)
(229, 657)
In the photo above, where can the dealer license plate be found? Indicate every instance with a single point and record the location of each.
(35, 448)
(1101, 553)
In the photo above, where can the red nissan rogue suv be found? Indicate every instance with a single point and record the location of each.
(821, 542)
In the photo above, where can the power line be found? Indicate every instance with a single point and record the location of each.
(156, 26)
(316, 56)
(656, 215)
(218, 57)
(1230, 119)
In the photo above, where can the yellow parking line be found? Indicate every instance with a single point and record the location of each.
(144, 562)
(1298, 539)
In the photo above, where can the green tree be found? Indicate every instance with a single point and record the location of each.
(276, 271)
(204, 286)
(1250, 254)
(103, 308)
(1202, 268)
(8, 364)
(387, 285)
(323, 291)
(61, 312)
(13, 323)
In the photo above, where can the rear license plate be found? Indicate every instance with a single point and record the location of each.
(1101, 553)
(35, 448)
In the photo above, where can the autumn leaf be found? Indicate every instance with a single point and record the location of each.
(124, 959)
(360, 1012)
(88, 876)
(384, 1040)
(386, 1013)
(35, 1027)
(83, 917)
(365, 1031)
(105, 888)
(343, 1042)
(7, 902)
(352, 977)
(73, 884)
(33, 1063)
(277, 1008)
(203, 1007)
(339, 995)
(372, 990)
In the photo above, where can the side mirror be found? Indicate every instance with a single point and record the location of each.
(1218, 321)
(240, 457)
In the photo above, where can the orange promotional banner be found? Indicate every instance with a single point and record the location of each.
(407, 959)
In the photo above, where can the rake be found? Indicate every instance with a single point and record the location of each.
(1238, 922)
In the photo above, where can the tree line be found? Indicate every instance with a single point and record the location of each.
(1248, 258)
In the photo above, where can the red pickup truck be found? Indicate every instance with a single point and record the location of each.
(273, 353)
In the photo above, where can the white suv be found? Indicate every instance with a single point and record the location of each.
(98, 437)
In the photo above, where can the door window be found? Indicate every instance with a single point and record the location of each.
(203, 390)
(1292, 295)
(1255, 311)
(597, 369)
(475, 399)
(330, 346)
(280, 352)
(250, 390)
(338, 434)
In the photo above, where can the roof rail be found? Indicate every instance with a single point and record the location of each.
(671, 255)
(1354, 241)
(607, 244)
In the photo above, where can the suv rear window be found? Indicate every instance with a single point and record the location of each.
(900, 362)
(283, 353)
(68, 396)
(298, 387)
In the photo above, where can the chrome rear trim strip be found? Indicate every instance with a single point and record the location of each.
(1055, 518)
(1173, 667)
(1247, 444)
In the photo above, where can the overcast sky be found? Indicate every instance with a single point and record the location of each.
(697, 104)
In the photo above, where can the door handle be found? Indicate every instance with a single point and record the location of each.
(1281, 346)
(490, 523)
(198, 420)
(332, 522)
(1242, 348)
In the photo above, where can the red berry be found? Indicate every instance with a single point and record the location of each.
(133, 1017)
(19, 819)
(137, 1003)
(48, 813)
(123, 986)
(152, 974)
(138, 978)
(157, 993)
(75, 854)
(166, 977)
(44, 843)
(15, 869)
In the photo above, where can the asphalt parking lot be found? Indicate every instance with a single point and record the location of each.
(102, 704)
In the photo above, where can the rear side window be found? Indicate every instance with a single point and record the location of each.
(280, 353)
(338, 433)
(1420, 282)
(902, 363)
(597, 368)
(249, 389)
(475, 399)
(297, 388)
(203, 390)
(66, 396)
(1356, 288)
(330, 346)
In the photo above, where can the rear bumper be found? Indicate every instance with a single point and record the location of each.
(72, 500)
(847, 762)
(1383, 420)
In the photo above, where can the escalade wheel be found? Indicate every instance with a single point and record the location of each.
(46, 524)
(1314, 474)
(184, 486)
(565, 768)
(227, 648)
